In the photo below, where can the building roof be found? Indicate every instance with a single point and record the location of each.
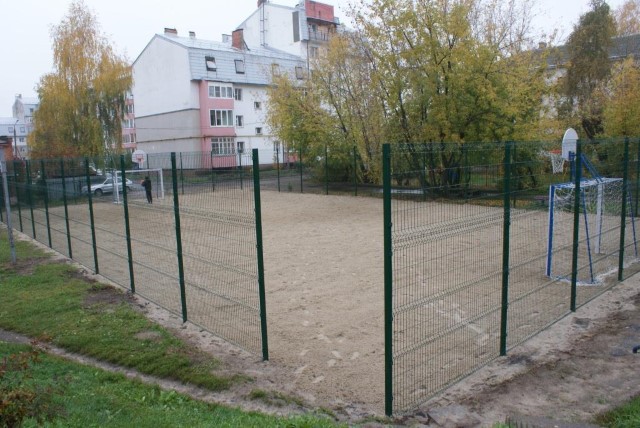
(621, 48)
(257, 61)
(30, 100)
(9, 121)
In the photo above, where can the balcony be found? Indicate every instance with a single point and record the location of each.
(320, 35)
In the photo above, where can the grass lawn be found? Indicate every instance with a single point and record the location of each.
(49, 301)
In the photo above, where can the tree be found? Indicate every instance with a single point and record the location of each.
(425, 72)
(627, 17)
(589, 66)
(622, 100)
(82, 101)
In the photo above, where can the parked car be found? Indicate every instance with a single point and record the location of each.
(106, 186)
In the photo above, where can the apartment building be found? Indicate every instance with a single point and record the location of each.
(195, 95)
(16, 131)
(21, 123)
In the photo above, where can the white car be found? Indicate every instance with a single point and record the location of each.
(106, 186)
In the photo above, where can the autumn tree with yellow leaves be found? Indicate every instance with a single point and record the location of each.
(83, 99)
(425, 72)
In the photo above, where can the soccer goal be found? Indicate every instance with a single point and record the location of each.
(135, 189)
(599, 235)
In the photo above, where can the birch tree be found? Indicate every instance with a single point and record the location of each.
(82, 100)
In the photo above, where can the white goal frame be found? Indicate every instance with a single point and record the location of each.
(592, 235)
(137, 171)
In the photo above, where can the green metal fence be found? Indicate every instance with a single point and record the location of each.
(467, 248)
(195, 250)
(485, 246)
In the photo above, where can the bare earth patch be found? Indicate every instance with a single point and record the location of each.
(578, 368)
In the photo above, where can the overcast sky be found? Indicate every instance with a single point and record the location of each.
(130, 24)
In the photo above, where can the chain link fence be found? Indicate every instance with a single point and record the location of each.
(187, 241)
(486, 244)
(471, 233)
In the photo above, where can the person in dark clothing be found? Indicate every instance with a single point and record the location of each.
(146, 183)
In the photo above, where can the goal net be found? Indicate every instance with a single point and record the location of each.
(599, 229)
(135, 190)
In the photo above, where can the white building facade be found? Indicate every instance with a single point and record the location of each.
(200, 96)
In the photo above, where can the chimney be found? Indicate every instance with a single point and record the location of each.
(261, 2)
(192, 34)
(170, 31)
(542, 45)
(237, 39)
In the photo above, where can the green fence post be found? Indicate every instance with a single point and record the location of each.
(213, 182)
(576, 225)
(30, 198)
(516, 179)
(2, 197)
(259, 246)
(127, 229)
(300, 163)
(181, 174)
(326, 169)
(176, 213)
(45, 189)
(355, 170)
(15, 186)
(623, 215)
(637, 189)
(66, 208)
(506, 229)
(388, 281)
(93, 225)
(465, 170)
(240, 170)
(278, 163)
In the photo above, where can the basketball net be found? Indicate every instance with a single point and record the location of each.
(557, 161)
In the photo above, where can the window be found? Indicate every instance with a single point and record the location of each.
(237, 94)
(129, 124)
(275, 69)
(239, 66)
(11, 129)
(257, 105)
(276, 146)
(22, 129)
(222, 146)
(299, 73)
(210, 62)
(258, 131)
(240, 146)
(220, 91)
(239, 121)
(221, 117)
(129, 108)
(313, 52)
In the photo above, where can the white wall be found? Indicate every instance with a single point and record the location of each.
(162, 79)
(279, 29)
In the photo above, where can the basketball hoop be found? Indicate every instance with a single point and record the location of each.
(557, 160)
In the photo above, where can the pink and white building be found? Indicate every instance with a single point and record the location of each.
(194, 95)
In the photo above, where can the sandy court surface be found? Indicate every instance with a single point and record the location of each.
(324, 274)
